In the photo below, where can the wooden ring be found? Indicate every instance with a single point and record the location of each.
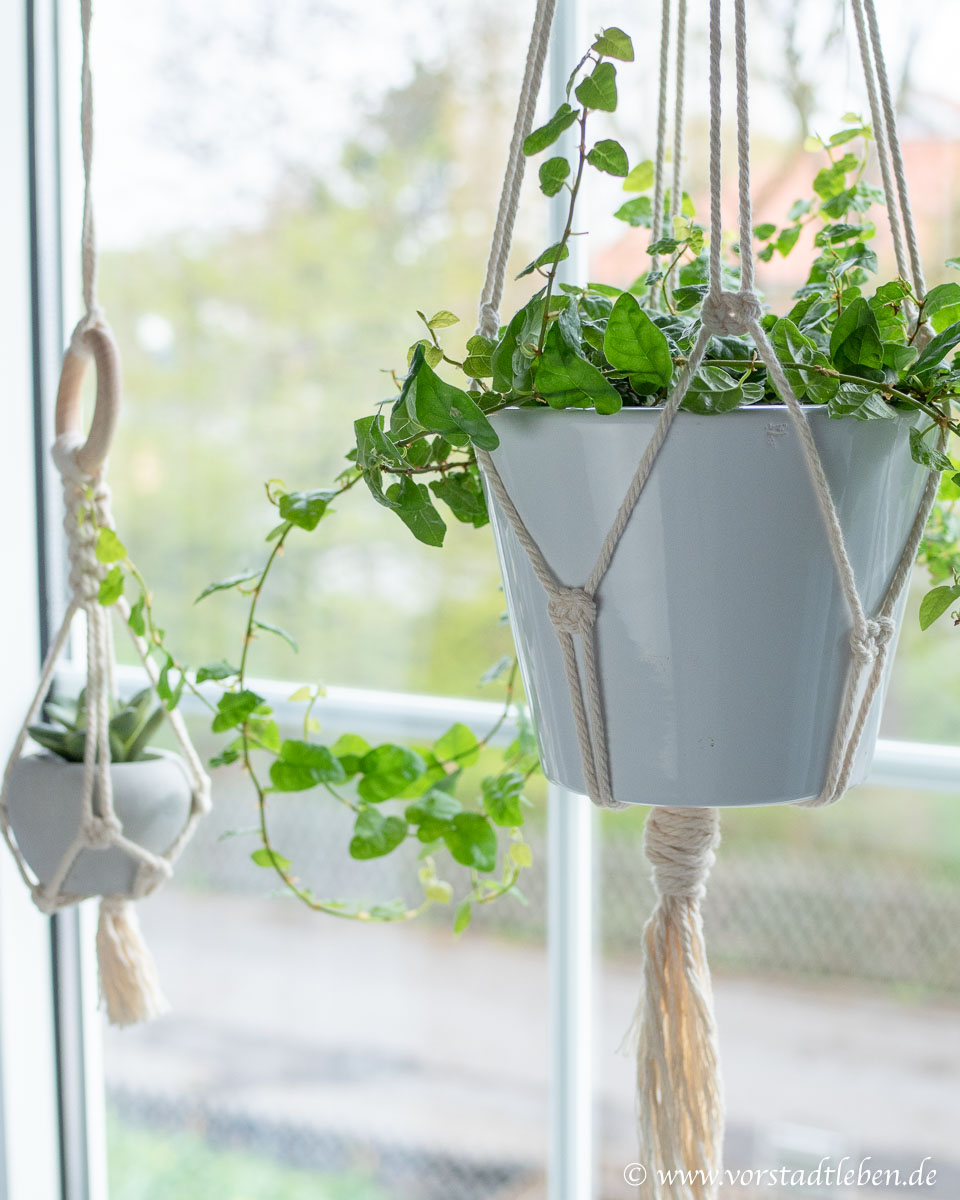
(98, 342)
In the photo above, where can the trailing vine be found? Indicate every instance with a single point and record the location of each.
(844, 346)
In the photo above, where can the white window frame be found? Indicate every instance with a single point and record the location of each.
(52, 1128)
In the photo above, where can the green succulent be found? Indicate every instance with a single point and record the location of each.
(133, 723)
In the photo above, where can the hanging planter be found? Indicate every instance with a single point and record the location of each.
(151, 799)
(706, 513)
(97, 813)
(722, 632)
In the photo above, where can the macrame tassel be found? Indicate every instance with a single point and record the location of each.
(129, 984)
(679, 1093)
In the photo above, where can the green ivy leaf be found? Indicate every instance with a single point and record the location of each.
(387, 770)
(787, 239)
(855, 341)
(217, 671)
(598, 90)
(233, 708)
(305, 509)
(942, 305)
(442, 408)
(265, 733)
(713, 390)
(472, 842)
(640, 178)
(137, 619)
(633, 343)
(936, 602)
(302, 765)
(375, 835)
(269, 627)
(793, 346)
(477, 364)
(270, 858)
(413, 506)
(614, 43)
(433, 814)
(111, 587)
(440, 320)
(547, 134)
(459, 744)
(637, 212)
(566, 380)
(553, 174)
(936, 351)
(502, 798)
(223, 585)
(462, 918)
(109, 547)
(350, 750)
(555, 253)
(463, 495)
(609, 156)
(863, 403)
(926, 455)
(764, 232)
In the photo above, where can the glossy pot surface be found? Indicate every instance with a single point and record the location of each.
(722, 630)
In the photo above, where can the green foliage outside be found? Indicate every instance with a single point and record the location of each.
(148, 1165)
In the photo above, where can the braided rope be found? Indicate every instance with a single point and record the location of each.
(894, 147)
(725, 312)
(656, 225)
(127, 975)
(489, 318)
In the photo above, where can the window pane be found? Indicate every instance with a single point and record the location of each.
(279, 190)
(277, 202)
(832, 935)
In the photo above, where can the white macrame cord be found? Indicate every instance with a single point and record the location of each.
(680, 1106)
(129, 986)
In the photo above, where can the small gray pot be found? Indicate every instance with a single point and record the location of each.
(151, 799)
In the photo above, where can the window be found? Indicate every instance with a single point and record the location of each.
(313, 178)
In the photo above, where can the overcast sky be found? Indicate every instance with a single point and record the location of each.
(201, 107)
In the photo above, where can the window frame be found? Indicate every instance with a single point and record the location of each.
(48, 1002)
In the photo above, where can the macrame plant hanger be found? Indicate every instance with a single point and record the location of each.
(129, 985)
(679, 1092)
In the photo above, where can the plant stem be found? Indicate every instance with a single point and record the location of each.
(568, 228)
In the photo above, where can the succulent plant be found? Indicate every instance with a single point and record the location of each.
(133, 723)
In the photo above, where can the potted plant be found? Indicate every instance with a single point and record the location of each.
(722, 632)
(151, 795)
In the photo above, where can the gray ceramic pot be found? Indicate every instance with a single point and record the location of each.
(722, 632)
(151, 799)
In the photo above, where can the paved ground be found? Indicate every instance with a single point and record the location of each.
(402, 1037)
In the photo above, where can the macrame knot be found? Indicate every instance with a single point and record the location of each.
(873, 637)
(47, 902)
(86, 510)
(92, 319)
(151, 874)
(730, 313)
(679, 844)
(572, 610)
(102, 832)
(202, 799)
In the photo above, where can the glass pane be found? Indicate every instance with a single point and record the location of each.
(275, 204)
(832, 935)
(307, 1058)
(279, 189)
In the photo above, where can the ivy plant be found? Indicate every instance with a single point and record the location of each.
(848, 344)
